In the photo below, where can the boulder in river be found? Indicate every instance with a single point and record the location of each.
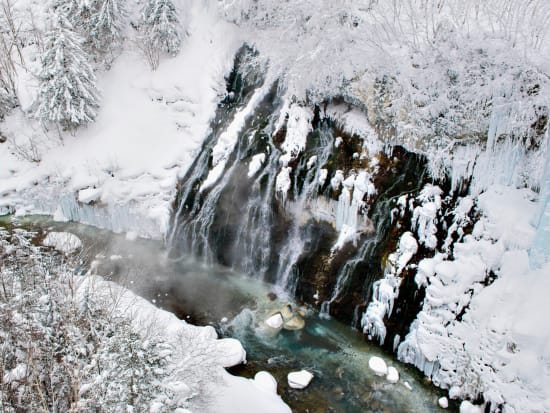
(299, 379)
(393, 375)
(275, 321)
(378, 365)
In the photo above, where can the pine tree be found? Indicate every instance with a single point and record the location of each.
(99, 22)
(106, 24)
(67, 93)
(161, 25)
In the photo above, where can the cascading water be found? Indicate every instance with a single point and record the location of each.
(286, 195)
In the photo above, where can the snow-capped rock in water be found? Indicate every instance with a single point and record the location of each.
(64, 242)
(299, 379)
(275, 321)
(378, 365)
(393, 375)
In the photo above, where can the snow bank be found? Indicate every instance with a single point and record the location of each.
(233, 394)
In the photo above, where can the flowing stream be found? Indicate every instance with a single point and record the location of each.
(237, 306)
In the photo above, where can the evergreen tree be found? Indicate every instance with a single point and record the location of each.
(161, 25)
(67, 93)
(99, 22)
(106, 24)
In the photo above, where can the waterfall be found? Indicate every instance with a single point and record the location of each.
(280, 191)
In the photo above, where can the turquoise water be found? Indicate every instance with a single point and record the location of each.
(238, 306)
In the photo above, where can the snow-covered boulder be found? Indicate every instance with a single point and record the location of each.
(443, 402)
(393, 375)
(64, 242)
(299, 379)
(275, 321)
(266, 382)
(378, 365)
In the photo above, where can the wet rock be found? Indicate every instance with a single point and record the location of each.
(299, 379)
(272, 296)
(294, 323)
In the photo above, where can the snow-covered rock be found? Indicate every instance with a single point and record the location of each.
(393, 375)
(275, 321)
(378, 365)
(299, 379)
(64, 242)
(266, 382)
(443, 402)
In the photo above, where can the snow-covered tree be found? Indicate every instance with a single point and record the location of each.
(106, 24)
(67, 92)
(7, 102)
(99, 22)
(161, 26)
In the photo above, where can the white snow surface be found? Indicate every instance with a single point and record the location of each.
(148, 129)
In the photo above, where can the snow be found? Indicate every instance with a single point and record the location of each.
(299, 379)
(240, 395)
(425, 215)
(297, 128)
(121, 159)
(378, 365)
(63, 241)
(228, 139)
(234, 394)
(393, 375)
(255, 164)
(265, 382)
(282, 182)
(386, 290)
(499, 346)
(275, 321)
(467, 407)
(443, 402)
